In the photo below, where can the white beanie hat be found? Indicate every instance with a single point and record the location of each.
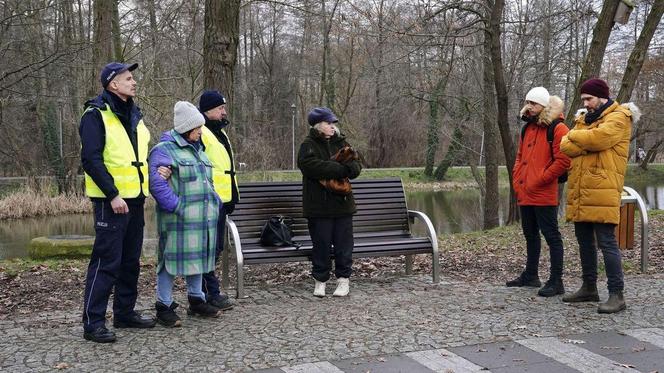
(539, 95)
(186, 117)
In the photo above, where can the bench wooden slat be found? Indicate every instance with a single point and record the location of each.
(360, 248)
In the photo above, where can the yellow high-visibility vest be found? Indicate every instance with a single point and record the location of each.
(120, 158)
(222, 167)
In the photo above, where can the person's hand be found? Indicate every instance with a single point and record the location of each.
(164, 172)
(119, 205)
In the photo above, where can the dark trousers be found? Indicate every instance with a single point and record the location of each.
(211, 286)
(536, 219)
(114, 264)
(331, 235)
(606, 240)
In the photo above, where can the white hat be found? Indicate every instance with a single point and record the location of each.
(539, 95)
(186, 117)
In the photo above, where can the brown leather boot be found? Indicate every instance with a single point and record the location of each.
(587, 293)
(615, 303)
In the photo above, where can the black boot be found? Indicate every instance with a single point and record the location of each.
(587, 293)
(100, 335)
(198, 306)
(166, 315)
(615, 303)
(552, 287)
(221, 301)
(524, 280)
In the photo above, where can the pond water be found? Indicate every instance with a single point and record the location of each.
(449, 211)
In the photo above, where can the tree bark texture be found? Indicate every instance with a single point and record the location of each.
(491, 194)
(220, 42)
(102, 45)
(640, 52)
(502, 98)
(593, 61)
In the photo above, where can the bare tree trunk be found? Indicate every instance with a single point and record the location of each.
(220, 42)
(118, 49)
(491, 193)
(546, 80)
(326, 79)
(502, 98)
(639, 52)
(377, 136)
(433, 128)
(102, 45)
(650, 156)
(593, 62)
(70, 164)
(454, 152)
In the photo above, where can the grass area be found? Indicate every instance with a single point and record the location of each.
(408, 175)
(654, 174)
(635, 175)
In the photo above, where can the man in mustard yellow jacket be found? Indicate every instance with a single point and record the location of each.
(598, 146)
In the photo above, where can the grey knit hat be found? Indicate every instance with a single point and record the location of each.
(186, 117)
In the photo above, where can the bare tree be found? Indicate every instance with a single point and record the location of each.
(640, 51)
(594, 57)
(220, 45)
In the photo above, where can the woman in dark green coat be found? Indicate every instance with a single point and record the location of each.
(329, 213)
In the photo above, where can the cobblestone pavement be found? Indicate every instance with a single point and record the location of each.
(284, 325)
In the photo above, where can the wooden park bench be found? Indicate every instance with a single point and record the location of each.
(381, 226)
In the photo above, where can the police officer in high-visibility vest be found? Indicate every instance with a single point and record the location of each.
(114, 148)
(212, 105)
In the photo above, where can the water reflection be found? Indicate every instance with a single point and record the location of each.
(462, 211)
(450, 212)
(454, 211)
(15, 235)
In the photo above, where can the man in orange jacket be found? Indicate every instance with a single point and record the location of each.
(538, 166)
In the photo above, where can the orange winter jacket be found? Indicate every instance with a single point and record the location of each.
(535, 174)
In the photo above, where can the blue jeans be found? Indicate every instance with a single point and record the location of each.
(606, 240)
(536, 219)
(165, 286)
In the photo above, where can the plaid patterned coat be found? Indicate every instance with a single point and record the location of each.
(187, 231)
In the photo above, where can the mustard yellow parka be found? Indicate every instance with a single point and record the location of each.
(599, 153)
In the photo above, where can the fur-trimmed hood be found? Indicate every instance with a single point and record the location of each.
(550, 112)
(634, 110)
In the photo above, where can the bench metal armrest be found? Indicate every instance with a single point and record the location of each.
(235, 237)
(412, 214)
(634, 197)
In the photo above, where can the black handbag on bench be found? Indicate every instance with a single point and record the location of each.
(277, 232)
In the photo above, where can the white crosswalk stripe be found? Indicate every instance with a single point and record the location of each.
(319, 367)
(444, 361)
(653, 336)
(568, 353)
(574, 356)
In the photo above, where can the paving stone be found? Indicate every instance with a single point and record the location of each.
(284, 325)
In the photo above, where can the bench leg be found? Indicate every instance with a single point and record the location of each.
(225, 280)
(409, 264)
(435, 265)
(240, 282)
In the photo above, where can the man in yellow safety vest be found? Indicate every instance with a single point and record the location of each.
(114, 148)
(212, 105)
